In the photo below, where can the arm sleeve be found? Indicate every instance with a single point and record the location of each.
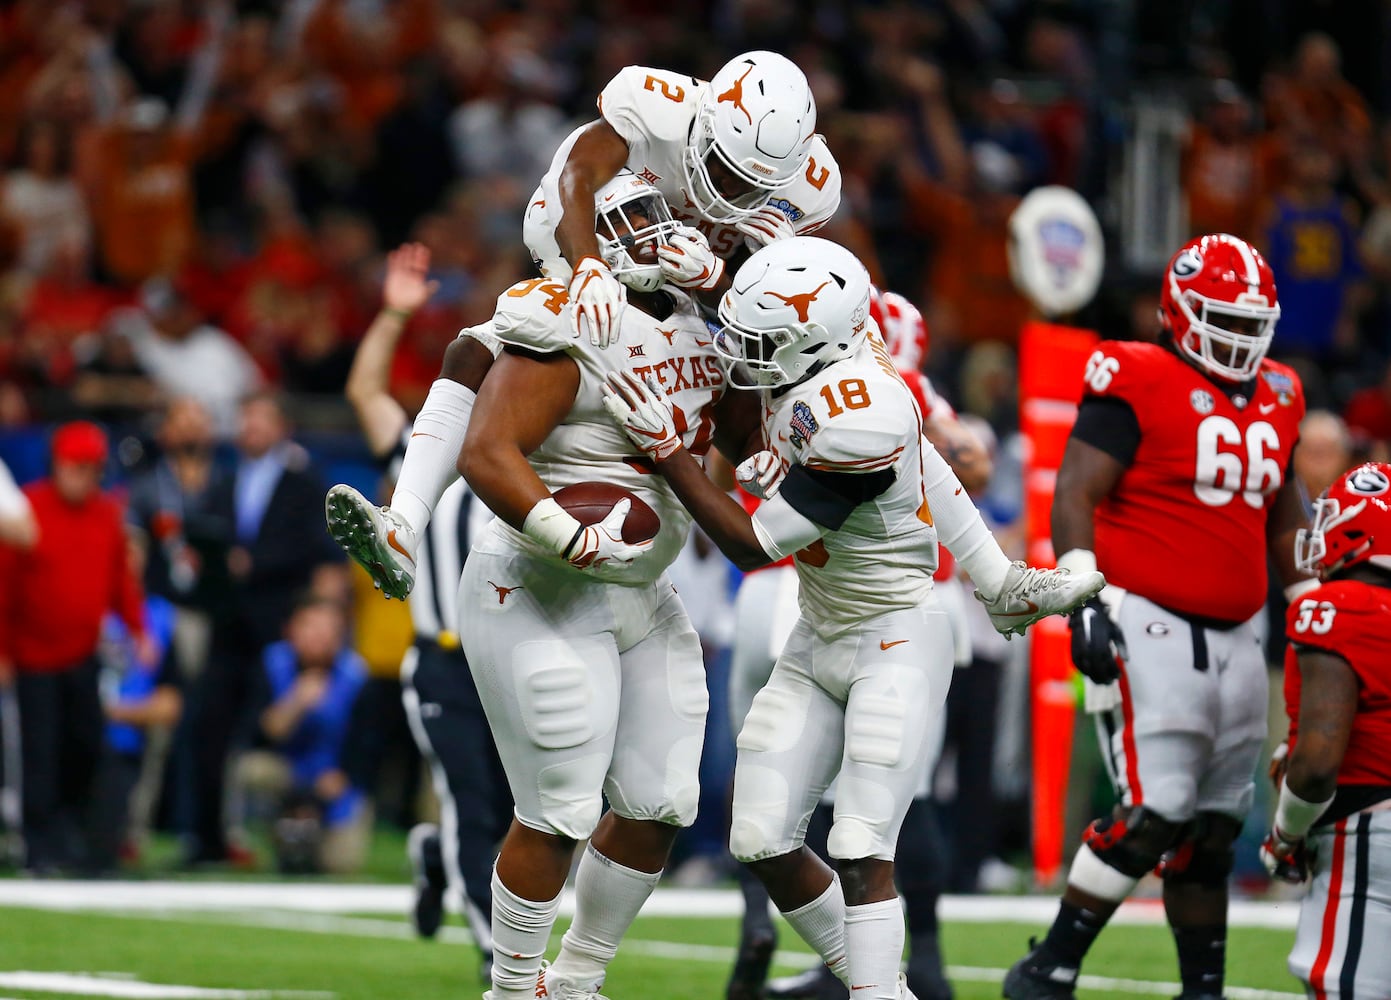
(781, 530)
(1109, 424)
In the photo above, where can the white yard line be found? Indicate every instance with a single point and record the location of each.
(86, 984)
(313, 897)
(320, 923)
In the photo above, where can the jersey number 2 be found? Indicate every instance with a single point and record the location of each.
(1219, 474)
(675, 93)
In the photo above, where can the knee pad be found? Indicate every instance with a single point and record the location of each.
(864, 813)
(760, 824)
(1206, 856)
(569, 796)
(669, 794)
(1132, 844)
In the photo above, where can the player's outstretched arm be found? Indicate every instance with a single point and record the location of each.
(405, 288)
(597, 155)
(645, 414)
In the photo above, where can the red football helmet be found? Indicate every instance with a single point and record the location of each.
(903, 327)
(1352, 524)
(1218, 301)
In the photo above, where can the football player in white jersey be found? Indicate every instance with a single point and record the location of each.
(861, 500)
(737, 157)
(588, 668)
(384, 540)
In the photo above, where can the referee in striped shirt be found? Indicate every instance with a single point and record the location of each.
(446, 716)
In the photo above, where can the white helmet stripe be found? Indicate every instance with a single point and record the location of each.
(1253, 274)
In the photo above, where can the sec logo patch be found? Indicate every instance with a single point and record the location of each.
(1202, 401)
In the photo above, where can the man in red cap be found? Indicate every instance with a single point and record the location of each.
(52, 601)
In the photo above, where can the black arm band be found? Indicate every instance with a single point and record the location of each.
(828, 498)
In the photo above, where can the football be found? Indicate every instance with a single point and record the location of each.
(590, 503)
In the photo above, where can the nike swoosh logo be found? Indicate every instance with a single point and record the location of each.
(391, 540)
(1267, 407)
(958, 491)
(655, 435)
(1018, 614)
(891, 645)
(869, 987)
(422, 434)
(704, 343)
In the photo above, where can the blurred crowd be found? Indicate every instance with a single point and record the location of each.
(196, 196)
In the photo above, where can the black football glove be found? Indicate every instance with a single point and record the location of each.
(1096, 642)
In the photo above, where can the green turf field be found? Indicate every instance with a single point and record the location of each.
(274, 954)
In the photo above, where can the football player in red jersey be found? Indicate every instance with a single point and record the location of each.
(1175, 483)
(1334, 814)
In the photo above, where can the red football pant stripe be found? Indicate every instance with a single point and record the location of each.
(1330, 913)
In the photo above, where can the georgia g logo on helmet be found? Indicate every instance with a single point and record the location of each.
(1368, 481)
(1188, 263)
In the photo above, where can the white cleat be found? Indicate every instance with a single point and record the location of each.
(549, 986)
(376, 537)
(1030, 593)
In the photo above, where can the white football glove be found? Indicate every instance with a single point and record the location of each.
(768, 225)
(688, 262)
(644, 413)
(602, 543)
(597, 300)
(759, 474)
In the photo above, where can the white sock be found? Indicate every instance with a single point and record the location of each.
(432, 455)
(874, 945)
(960, 527)
(521, 930)
(821, 924)
(608, 897)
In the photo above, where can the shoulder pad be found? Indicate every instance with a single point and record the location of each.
(811, 200)
(650, 105)
(534, 315)
(866, 439)
(1119, 369)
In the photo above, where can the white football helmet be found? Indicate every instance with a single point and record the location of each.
(631, 218)
(754, 127)
(795, 306)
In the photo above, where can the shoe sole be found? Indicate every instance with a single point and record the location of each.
(353, 528)
(1018, 626)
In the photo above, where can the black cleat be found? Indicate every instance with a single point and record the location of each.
(818, 983)
(427, 863)
(926, 979)
(1038, 976)
(751, 964)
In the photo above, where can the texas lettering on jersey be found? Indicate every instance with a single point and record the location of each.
(1198, 490)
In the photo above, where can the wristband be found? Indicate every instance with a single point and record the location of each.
(1294, 816)
(404, 315)
(1078, 561)
(553, 526)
